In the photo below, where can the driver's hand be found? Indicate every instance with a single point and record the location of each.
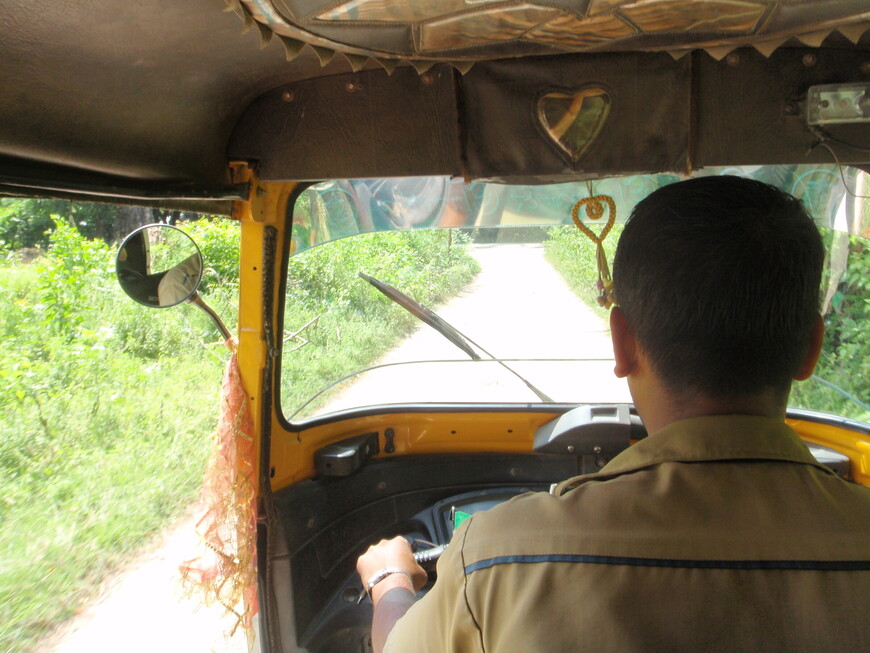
(394, 553)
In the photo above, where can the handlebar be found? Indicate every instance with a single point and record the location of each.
(429, 555)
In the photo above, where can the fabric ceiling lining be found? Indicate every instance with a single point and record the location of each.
(461, 31)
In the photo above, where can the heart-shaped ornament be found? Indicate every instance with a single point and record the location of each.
(595, 211)
(574, 120)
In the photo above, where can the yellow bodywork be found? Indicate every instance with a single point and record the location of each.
(847, 442)
(418, 432)
(266, 208)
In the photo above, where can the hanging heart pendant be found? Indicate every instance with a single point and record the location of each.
(595, 211)
(574, 120)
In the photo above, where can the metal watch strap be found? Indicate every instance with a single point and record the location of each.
(379, 575)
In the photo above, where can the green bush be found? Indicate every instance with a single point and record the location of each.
(574, 256)
(29, 222)
(108, 405)
(24, 223)
(218, 240)
(841, 383)
(107, 409)
(74, 264)
(356, 323)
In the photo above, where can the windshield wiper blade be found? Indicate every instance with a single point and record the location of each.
(430, 317)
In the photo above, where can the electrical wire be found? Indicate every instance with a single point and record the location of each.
(841, 391)
(824, 136)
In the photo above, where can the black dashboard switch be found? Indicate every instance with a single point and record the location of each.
(345, 457)
(389, 443)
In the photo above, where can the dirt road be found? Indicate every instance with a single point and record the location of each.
(141, 611)
(518, 307)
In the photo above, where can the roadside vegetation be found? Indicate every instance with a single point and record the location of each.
(841, 385)
(353, 322)
(573, 256)
(107, 409)
(108, 406)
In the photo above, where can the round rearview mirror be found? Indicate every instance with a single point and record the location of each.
(159, 266)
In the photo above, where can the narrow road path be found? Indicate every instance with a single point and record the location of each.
(517, 307)
(141, 610)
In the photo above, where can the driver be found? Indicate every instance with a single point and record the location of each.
(717, 532)
(180, 282)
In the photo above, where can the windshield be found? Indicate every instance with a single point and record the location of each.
(427, 290)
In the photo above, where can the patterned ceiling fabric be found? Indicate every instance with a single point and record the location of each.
(454, 31)
(581, 33)
(387, 10)
(684, 16)
(480, 27)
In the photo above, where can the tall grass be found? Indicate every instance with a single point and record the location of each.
(573, 255)
(107, 407)
(356, 323)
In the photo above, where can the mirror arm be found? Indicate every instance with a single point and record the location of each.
(197, 300)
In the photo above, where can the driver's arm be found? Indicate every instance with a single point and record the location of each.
(441, 621)
(394, 593)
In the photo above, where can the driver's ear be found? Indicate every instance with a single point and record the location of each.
(813, 352)
(624, 344)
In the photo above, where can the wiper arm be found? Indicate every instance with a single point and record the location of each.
(430, 317)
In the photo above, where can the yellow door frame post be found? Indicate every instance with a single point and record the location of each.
(263, 219)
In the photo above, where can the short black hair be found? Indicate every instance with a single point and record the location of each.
(718, 278)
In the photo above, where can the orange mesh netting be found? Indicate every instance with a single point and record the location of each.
(226, 571)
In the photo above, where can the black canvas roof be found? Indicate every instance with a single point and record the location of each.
(150, 100)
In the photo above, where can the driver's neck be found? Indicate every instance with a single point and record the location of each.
(659, 407)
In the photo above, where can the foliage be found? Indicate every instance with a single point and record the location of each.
(218, 241)
(28, 223)
(574, 256)
(845, 360)
(355, 322)
(414, 261)
(24, 223)
(107, 405)
(107, 408)
(74, 263)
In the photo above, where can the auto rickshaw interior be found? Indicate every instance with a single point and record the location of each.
(165, 104)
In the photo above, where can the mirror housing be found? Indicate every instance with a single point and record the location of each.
(159, 266)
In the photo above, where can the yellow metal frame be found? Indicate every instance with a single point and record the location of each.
(417, 432)
(847, 442)
(266, 208)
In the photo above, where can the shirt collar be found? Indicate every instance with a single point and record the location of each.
(707, 439)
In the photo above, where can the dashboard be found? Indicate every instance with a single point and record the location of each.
(326, 522)
(346, 623)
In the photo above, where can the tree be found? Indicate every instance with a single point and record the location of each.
(29, 223)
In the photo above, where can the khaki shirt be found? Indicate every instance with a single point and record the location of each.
(713, 534)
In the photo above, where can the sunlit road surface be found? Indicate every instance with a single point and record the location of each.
(528, 312)
(141, 610)
(518, 307)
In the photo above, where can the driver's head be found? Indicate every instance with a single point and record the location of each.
(718, 279)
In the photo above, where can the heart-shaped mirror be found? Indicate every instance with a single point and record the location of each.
(574, 120)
